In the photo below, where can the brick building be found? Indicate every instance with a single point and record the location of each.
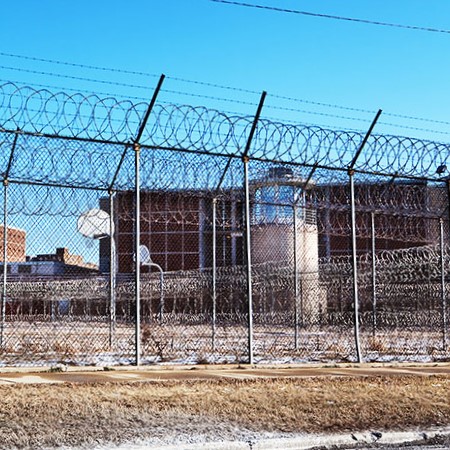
(16, 244)
(405, 214)
(176, 225)
(176, 228)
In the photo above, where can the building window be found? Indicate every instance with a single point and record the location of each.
(24, 268)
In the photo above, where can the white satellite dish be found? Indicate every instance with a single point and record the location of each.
(94, 224)
(144, 255)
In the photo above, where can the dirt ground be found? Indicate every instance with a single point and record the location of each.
(173, 405)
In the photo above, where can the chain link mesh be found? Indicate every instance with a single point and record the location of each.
(72, 299)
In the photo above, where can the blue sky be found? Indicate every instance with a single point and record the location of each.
(306, 58)
(316, 63)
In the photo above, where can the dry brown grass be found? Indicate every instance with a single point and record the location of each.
(39, 416)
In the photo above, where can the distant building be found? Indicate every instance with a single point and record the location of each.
(405, 215)
(294, 228)
(16, 244)
(61, 263)
(176, 228)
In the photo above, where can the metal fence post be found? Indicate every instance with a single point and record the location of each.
(137, 240)
(214, 274)
(5, 259)
(354, 265)
(351, 174)
(137, 195)
(5, 235)
(249, 261)
(296, 280)
(245, 161)
(443, 293)
(112, 271)
(374, 275)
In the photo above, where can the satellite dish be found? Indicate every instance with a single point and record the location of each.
(144, 255)
(94, 224)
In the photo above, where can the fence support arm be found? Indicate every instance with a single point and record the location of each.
(248, 254)
(137, 218)
(351, 173)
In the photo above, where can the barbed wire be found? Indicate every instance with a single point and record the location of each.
(208, 131)
(202, 83)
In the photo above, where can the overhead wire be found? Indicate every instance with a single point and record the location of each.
(83, 66)
(196, 82)
(334, 17)
(217, 98)
(73, 77)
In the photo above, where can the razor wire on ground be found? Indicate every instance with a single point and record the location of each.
(214, 238)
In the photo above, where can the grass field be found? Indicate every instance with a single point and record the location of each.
(86, 415)
(77, 342)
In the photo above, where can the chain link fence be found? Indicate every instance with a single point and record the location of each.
(140, 234)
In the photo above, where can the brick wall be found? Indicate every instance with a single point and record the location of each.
(16, 244)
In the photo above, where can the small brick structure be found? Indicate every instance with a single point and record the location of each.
(16, 244)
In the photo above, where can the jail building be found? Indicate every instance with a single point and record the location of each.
(407, 215)
(176, 226)
(177, 229)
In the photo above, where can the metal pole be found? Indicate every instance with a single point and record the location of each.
(443, 294)
(364, 141)
(5, 258)
(137, 239)
(355, 266)
(137, 151)
(149, 109)
(351, 174)
(161, 290)
(112, 271)
(249, 261)
(214, 271)
(374, 276)
(245, 160)
(5, 234)
(447, 183)
(140, 130)
(296, 280)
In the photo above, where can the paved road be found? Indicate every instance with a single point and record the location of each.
(63, 374)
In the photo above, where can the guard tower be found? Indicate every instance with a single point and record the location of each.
(284, 233)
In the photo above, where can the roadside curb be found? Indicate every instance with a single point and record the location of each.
(306, 442)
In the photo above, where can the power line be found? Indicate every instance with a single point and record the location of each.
(357, 119)
(216, 98)
(184, 80)
(210, 97)
(128, 72)
(73, 77)
(330, 16)
(83, 66)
